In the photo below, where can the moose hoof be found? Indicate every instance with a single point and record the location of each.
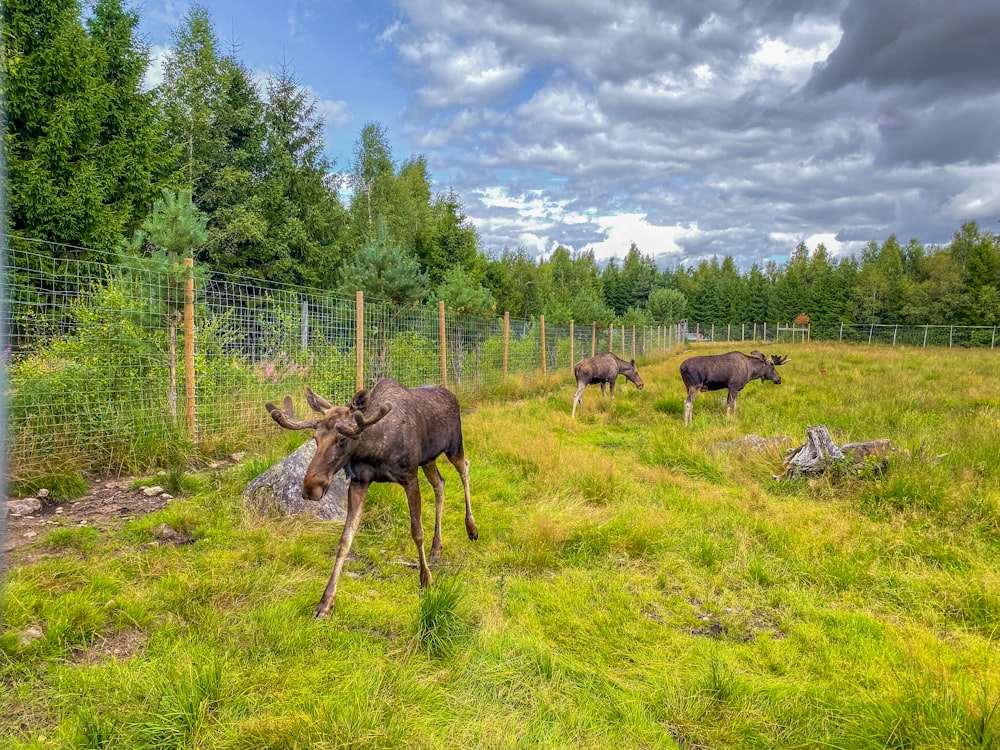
(435, 556)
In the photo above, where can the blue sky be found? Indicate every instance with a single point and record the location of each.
(691, 128)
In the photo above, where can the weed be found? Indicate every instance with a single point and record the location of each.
(440, 626)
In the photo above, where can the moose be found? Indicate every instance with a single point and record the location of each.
(604, 369)
(713, 372)
(383, 435)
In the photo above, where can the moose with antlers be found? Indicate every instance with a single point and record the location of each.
(713, 372)
(383, 435)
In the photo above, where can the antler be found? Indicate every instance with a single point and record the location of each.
(317, 402)
(361, 422)
(286, 418)
(777, 359)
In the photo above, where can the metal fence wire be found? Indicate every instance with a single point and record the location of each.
(122, 365)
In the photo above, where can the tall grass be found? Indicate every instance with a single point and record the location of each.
(636, 584)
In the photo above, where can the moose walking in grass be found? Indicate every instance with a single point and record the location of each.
(713, 372)
(384, 435)
(604, 369)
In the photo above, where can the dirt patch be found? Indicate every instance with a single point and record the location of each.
(107, 505)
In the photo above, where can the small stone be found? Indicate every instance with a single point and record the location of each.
(23, 507)
(29, 635)
(152, 491)
(43, 493)
(165, 496)
(30, 534)
(59, 510)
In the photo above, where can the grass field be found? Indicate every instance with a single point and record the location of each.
(633, 586)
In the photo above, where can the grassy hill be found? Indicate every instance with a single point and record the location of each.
(634, 585)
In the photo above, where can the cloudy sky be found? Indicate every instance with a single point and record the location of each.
(691, 128)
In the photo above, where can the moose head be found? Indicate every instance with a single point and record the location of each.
(336, 435)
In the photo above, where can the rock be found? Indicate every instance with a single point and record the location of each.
(29, 635)
(24, 506)
(164, 531)
(152, 491)
(42, 493)
(278, 491)
(238, 457)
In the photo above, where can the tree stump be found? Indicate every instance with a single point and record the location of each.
(819, 452)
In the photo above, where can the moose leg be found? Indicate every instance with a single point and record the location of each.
(611, 387)
(461, 465)
(731, 403)
(689, 405)
(412, 487)
(577, 399)
(356, 494)
(437, 482)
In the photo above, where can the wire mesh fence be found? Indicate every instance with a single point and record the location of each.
(122, 365)
(855, 333)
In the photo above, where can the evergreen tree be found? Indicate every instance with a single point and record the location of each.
(172, 231)
(638, 278)
(666, 306)
(83, 150)
(615, 294)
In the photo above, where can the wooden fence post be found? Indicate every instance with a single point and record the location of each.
(444, 349)
(305, 326)
(593, 339)
(359, 340)
(571, 358)
(611, 337)
(189, 346)
(506, 341)
(633, 342)
(541, 320)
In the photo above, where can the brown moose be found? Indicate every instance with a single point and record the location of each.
(713, 372)
(383, 435)
(604, 369)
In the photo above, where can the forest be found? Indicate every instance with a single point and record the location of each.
(96, 161)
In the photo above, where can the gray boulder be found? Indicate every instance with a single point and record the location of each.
(278, 491)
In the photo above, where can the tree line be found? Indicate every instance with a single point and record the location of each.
(95, 158)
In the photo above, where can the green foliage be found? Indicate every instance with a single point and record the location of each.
(440, 626)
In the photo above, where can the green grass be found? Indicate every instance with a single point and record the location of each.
(634, 585)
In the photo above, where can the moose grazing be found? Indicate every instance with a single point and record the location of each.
(713, 372)
(383, 435)
(604, 369)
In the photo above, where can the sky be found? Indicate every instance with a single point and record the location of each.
(690, 128)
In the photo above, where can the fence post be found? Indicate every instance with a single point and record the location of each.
(593, 339)
(305, 326)
(359, 340)
(994, 338)
(506, 341)
(541, 319)
(894, 332)
(611, 337)
(444, 348)
(571, 346)
(633, 342)
(189, 346)
(764, 336)
(925, 336)
(951, 335)
(871, 332)
(841, 331)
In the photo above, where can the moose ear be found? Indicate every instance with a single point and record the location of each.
(361, 399)
(632, 363)
(758, 355)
